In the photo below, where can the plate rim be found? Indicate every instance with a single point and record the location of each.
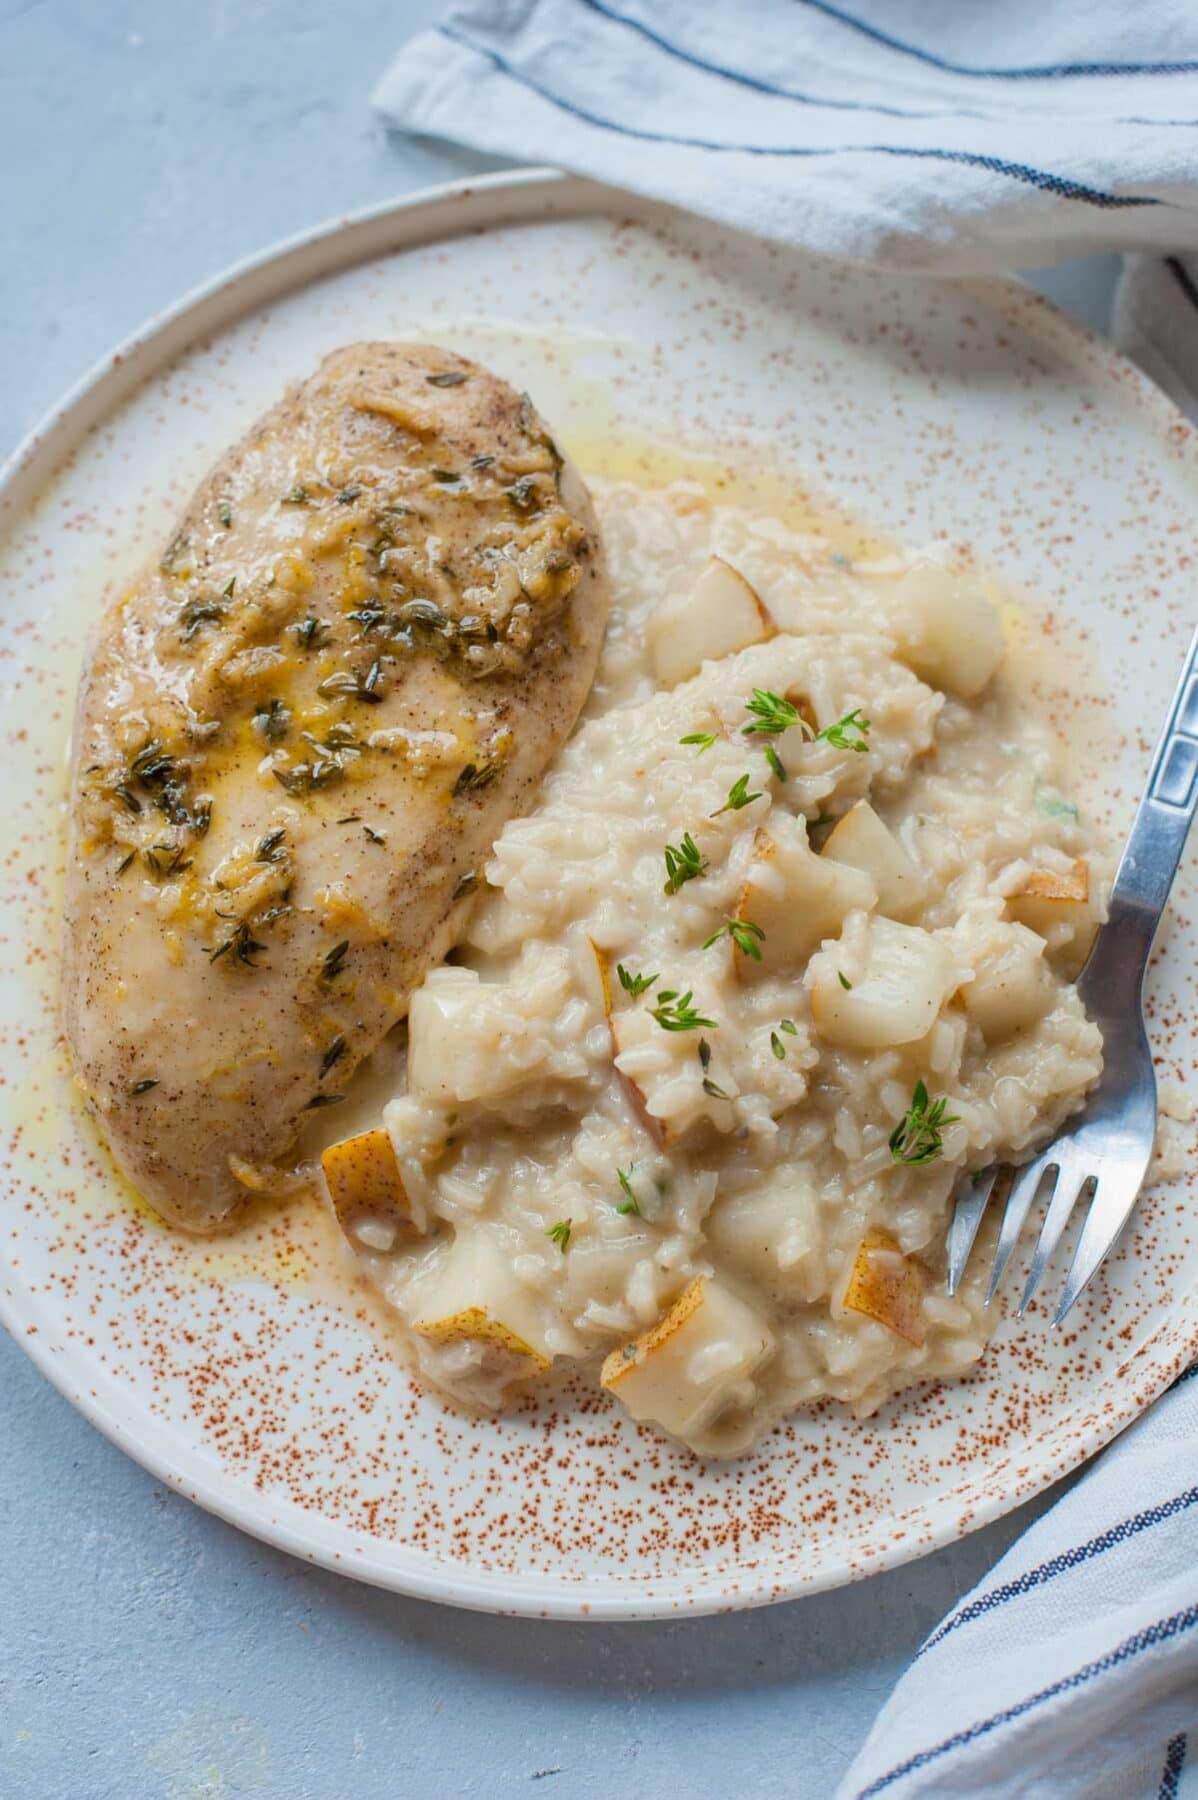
(434, 214)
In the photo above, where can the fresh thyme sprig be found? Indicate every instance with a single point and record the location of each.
(917, 1138)
(771, 714)
(703, 740)
(560, 1233)
(738, 796)
(243, 945)
(634, 984)
(630, 1204)
(849, 733)
(747, 937)
(674, 1012)
(683, 863)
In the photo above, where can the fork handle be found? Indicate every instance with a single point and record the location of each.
(1160, 827)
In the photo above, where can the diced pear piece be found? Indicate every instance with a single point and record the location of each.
(908, 976)
(948, 632)
(470, 1294)
(635, 1096)
(1012, 985)
(798, 899)
(1050, 897)
(772, 1235)
(367, 1191)
(861, 840)
(720, 614)
(446, 1062)
(698, 1358)
(887, 1286)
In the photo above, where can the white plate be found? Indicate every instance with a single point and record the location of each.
(244, 1373)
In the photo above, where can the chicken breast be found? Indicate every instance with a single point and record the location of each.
(296, 740)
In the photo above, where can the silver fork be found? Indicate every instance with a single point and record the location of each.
(1108, 1148)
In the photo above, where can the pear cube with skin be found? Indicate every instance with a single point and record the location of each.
(861, 840)
(470, 1295)
(635, 1095)
(947, 630)
(699, 1358)
(720, 614)
(797, 899)
(894, 999)
(889, 1287)
(366, 1190)
(1054, 903)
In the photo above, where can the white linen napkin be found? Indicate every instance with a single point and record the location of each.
(926, 134)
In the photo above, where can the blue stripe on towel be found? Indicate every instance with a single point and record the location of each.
(1061, 185)
(1181, 276)
(1147, 1639)
(1175, 1762)
(758, 85)
(1068, 1559)
(1043, 72)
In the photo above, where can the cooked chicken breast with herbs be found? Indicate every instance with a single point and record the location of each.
(297, 738)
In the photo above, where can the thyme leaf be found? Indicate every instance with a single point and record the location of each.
(334, 960)
(273, 721)
(475, 776)
(630, 1203)
(267, 848)
(310, 633)
(634, 984)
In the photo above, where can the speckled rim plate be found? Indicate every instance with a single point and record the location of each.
(972, 410)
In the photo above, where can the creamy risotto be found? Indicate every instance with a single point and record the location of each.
(785, 946)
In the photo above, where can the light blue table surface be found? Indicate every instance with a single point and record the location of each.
(147, 1650)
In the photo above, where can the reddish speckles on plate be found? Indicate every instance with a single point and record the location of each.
(252, 1373)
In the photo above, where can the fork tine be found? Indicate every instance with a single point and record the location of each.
(972, 1198)
(1105, 1220)
(1019, 1204)
(1066, 1196)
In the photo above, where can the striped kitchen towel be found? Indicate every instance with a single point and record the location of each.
(920, 133)
(1072, 1669)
